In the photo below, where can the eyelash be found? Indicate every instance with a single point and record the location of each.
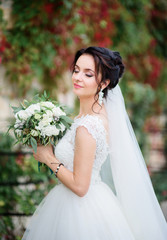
(75, 71)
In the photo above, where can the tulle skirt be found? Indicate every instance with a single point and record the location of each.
(62, 215)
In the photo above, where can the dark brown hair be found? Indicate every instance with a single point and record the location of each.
(108, 63)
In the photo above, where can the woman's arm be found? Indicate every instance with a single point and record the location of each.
(78, 180)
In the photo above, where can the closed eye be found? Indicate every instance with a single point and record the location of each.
(89, 75)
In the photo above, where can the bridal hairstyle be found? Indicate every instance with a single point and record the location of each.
(108, 63)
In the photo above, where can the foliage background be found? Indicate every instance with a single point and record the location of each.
(37, 45)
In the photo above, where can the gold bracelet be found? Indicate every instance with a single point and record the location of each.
(54, 162)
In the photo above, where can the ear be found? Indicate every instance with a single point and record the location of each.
(104, 85)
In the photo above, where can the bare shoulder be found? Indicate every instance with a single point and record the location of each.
(103, 116)
(83, 135)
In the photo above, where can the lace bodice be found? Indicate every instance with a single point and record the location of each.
(64, 150)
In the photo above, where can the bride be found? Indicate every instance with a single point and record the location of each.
(101, 142)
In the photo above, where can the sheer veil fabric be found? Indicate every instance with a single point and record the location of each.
(129, 174)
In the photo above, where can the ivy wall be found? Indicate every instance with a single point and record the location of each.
(37, 44)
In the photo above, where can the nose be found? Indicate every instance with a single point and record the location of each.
(78, 76)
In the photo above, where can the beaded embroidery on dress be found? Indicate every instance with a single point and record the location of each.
(62, 215)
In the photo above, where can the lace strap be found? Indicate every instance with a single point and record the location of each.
(94, 126)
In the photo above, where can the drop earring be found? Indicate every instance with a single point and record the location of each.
(101, 96)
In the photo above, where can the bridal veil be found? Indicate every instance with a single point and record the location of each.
(129, 173)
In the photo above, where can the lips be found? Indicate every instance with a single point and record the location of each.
(77, 86)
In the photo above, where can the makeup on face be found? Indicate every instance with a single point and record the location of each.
(87, 71)
(84, 77)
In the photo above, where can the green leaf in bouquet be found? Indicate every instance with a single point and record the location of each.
(51, 141)
(19, 117)
(47, 108)
(59, 137)
(45, 94)
(11, 127)
(16, 109)
(58, 126)
(36, 98)
(25, 140)
(67, 119)
(27, 122)
(23, 107)
(34, 144)
(29, 142)
(44, 141)
(18, 141)
(22, 134)
(65, 123)
(26, 103)
(15, 135)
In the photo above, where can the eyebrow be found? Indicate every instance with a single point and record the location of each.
(87, 69)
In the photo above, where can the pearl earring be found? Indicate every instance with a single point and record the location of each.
(101, 96)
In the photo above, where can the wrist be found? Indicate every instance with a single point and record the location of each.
(52, 162)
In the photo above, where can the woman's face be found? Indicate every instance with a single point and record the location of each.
(84, 78)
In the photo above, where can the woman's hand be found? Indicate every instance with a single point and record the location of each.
(45, 154)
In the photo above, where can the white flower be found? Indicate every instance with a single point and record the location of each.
(22, 115)
(37, 116)
(18, 132)
(62, 127)
(47, 104)
(46, 119)
(34, 133)
(44, 122)
(57, 112)
(19, 124)
(48, 113)
(41, 125)
(49, 131)
(32, 108)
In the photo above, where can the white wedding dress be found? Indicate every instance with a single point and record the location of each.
(62, 215)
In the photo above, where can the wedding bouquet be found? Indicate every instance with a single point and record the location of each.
(40, 121)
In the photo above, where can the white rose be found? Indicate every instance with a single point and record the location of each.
(32, 108)
(34, 133)
(44, 122)
(50, 131)
(57, 112)
(47, 105)
(47, 119)
(22, 115)
(48, 113)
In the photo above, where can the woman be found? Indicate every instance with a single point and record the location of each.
(82, 206)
